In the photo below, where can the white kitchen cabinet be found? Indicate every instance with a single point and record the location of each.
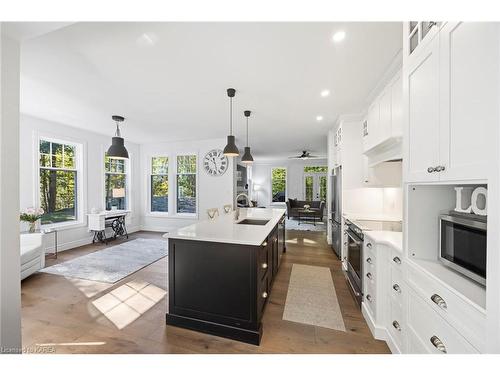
(397, 108)
(372, 126)
(422, 122)
(385, 116)
(451, 96)
(469, 79)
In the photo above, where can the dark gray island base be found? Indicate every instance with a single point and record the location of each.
(222, 288)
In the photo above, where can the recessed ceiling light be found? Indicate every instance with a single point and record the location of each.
(325, 93)
(319, 118)
(338, 36)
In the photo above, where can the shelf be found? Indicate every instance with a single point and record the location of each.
(464, 287)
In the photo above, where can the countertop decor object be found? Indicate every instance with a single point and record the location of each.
(31, 216)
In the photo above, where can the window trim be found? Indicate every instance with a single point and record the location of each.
(81, 177)
(128, 180)
(149, 174)
(271, 203)
(186, 214)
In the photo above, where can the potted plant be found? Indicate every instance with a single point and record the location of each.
(31, 216)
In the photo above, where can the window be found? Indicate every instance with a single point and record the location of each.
(186, 184)
(115, 183)
(278, 182)
(159, 184)
(58, 182)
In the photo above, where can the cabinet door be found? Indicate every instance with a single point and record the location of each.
(397, 108)
(372, 121)
(422, 125)
(384, 127)
(469, 79)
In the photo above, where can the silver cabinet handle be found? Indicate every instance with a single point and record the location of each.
(440, 168)
(438, 344)
(369, 275)
(431, 169)
(397, 288)
(431, 24)
(264, 265)
(438, 300)
(369, 260)
(264, 244)
(369, 245)
(396, 325)
(264, 295)
(396, 260)
(369, 297)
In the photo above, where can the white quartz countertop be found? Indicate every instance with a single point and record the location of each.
(225, 229)
(392, 239)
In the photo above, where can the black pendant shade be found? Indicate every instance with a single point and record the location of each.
(247, 157)
(117, 149)
(231, 149)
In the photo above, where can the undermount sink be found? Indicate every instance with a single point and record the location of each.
(253, 221)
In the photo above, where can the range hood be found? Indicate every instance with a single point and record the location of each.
(387, 151)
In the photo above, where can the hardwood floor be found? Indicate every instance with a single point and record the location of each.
(63, 315)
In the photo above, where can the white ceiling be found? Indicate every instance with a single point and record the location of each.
(169, 79)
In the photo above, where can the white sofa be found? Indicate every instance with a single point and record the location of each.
(32, 253)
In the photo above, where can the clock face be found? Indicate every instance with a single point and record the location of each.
(215, 163)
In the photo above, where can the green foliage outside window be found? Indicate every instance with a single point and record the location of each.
(159, 184)
(186, 183)
(315, 169)
(58, 182)
(115, 179)
(278, 180)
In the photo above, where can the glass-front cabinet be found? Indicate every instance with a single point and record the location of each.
(418, 31)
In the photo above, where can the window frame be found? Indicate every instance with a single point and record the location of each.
(175, 198)
(81, 186)
(128, 187)
(149, 160)
(271, 203)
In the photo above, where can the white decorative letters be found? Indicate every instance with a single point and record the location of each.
(473, 196)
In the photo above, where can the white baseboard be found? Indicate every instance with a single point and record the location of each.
(153, 228)
(63, 246)
(378, 332)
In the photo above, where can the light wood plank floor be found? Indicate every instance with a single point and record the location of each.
(59, 312)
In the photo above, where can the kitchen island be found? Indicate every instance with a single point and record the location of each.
(220, 272)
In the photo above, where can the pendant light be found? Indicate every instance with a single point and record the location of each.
(231, 149)
(247, 156)
(117, 149)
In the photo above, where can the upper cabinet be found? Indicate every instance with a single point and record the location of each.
(417, 34)
(382, 128)
(451, 95)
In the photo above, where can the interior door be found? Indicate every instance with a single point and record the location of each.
(315, 186)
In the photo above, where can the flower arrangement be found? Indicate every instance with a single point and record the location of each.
(307, 206)
(31, 215)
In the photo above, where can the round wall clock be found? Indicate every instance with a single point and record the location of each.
(215, 163)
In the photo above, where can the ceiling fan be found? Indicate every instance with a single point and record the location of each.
(304, 156)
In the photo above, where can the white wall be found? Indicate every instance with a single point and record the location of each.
(212, 191)
(261, 175)
(95, 145)
(10, 268)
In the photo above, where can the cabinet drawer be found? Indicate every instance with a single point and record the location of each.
(370, 297)
(470, 322)
(396, 323)
(398, 288)
(433, 331)
(262, 295)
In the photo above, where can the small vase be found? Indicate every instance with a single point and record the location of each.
(32, 228)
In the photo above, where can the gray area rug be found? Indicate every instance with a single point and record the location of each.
(293, 224)
(113, 263)
(311, 298)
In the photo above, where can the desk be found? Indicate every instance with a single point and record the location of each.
(108, 219)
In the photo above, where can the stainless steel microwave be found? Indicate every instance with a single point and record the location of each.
(462, 245)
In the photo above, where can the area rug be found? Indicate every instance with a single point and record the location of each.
(311, 298)
(293, 224)
(113, 263)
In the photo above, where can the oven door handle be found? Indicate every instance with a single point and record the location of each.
(358, 243)
(356, 293)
